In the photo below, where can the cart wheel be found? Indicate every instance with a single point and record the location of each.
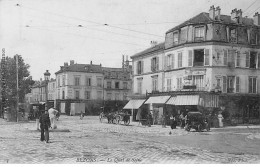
(187, 128)
(127, 122)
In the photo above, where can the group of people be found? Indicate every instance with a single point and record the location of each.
(45, 121)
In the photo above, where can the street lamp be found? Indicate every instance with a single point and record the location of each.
(46, 78)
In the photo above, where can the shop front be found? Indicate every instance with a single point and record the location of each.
(135, 106)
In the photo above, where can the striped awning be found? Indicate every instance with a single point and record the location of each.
(157, 100)
(134, 104)
(183, 100)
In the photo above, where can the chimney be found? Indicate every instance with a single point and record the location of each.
(217, 13)
(71, 62)
(234, 14)
(212, 12)
(257, 19)
(91, 62)
(153, 43)
(66, 64)
(239, 16)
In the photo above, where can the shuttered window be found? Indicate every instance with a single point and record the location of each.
(258, 60)
(180, 60)
(247, 59)
(224, 84)
(206, 55)
(190, 58)
(225, 58)
(252, 85)
(238, 59)
(169, 84)
(237, 84)
(173, 61)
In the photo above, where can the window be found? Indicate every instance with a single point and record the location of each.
(124, 96)
(109, 84)
(230, 84)
(63, 94)
(99, 82)
(233, 35)
(198, 57)
(238, 59)
(231, 58)
(252, 85)
(109, 96)
(247, 59)
(155, 64)
(63, 80)
(139, 68)
(125, 85)
(88, 81)
(87, 95)
(155, 83)
(77, 81)
(237, 84)
(179, 59)
(168, 60)
(139, 86)
(175, 38)
(116, 96)
(169, 84)
(224, 87)
(76, 94)
(179, 83)
(225, 61)
(58, 94)
(199, 33)
(198, 80)
(253, 60)
(99, 94)
(117, 85)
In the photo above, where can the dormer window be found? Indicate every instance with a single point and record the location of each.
(199, 33)
(175, 38)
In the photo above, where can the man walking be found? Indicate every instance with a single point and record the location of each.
(45, 124)
(52, 114)
(37, 116)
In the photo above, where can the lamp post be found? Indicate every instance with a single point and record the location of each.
(17, 87)
(46, 78)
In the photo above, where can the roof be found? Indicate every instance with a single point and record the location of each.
(91, 68)
(204, 18)
(156, 48)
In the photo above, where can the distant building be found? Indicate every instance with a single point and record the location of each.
(89, 87)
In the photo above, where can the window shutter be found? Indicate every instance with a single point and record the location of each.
(152, 64)
(157, 63)
(206, 62)
(142, 67)
(249, 85)
(173, 61)
(247, 59)
(190, 58)
(258, 61)
(165, 62)
(238, 59)
(237, 84)
(254, 85)
(225, 57)
(228, 34)
(180, 60)
(137, 67)
(224, 84)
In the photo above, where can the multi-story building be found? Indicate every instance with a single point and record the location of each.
(208, 53)
(89, 87)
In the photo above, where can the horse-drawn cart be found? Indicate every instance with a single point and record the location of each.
(115, 118)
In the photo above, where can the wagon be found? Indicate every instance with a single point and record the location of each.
(122, 117)
(196, 121)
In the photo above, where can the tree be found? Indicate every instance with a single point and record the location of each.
(24, 79)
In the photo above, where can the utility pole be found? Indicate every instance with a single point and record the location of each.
(3, 83)
(17, 87)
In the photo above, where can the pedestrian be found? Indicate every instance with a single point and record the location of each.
(45, 125)
(182, 118)
(81, 115)
(52, 114)
(220, 119)
(37, 116)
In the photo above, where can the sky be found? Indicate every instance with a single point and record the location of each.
(47, 33)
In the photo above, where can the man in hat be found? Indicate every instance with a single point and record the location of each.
(45, 125)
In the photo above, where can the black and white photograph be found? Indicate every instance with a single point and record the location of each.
(129, 82)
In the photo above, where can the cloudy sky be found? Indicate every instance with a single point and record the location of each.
(48, 33)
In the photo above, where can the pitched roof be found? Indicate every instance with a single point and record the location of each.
(91, 68)
(156, 48)
(204, 18)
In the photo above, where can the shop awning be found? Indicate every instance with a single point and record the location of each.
(134, 104)
(157, 99)
(184, 100)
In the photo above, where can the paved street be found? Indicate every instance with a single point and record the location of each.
(89, 141)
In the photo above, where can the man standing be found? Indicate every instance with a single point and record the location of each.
(52, 114)
(45, 124)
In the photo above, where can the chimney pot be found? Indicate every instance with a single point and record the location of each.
(257, 19)
(91, 62)
(71, 62)
(217, 12)
(212, 12)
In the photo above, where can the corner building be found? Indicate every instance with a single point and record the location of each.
(213, 57)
